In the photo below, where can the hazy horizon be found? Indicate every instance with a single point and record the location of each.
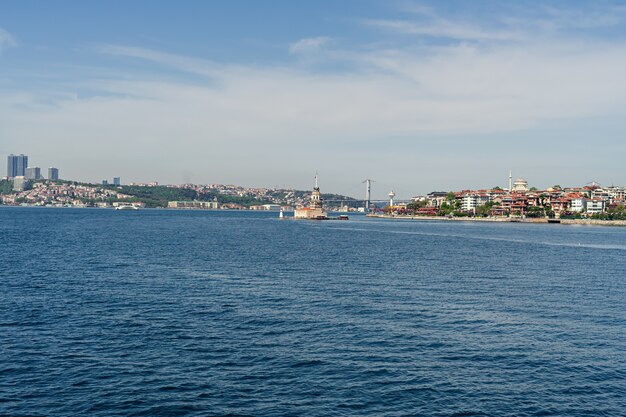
(419, 96)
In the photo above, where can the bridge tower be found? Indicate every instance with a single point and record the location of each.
(368, 189)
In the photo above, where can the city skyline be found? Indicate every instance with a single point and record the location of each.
(416, 95)
(34, 173)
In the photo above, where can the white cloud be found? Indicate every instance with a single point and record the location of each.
(513, 23)
(259, 116)
(393, 108)
(6, 40)
(183, 63)
(308, 44)
(441, 28)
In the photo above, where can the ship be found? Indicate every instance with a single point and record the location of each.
(126, 207)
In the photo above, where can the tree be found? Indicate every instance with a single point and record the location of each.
(485, 209)
(535, 212)
(6, 187)
(415, 205)
(445, 209)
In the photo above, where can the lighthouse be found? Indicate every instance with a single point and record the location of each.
(391, 196)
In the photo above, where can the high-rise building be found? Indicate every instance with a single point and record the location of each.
(116, 181)
(53, 173)
(16, 165)
(105, 182)
(22, 164)
(33, 173)
(11, 166)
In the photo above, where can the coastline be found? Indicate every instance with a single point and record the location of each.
(584, 222)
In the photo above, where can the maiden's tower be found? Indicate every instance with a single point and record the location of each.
(315, 211)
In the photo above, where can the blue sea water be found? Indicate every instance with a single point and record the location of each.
(190, 313)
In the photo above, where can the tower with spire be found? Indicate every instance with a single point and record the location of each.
(316, 197)
(315, 211)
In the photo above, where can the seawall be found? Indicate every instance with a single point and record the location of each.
(587, 222)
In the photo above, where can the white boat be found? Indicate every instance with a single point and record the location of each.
(127, 207)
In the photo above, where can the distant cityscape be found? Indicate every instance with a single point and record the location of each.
(519, 201)
(25, 185)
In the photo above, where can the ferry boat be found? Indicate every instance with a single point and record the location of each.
(127, 207)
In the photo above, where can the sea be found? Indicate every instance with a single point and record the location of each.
(226, 313)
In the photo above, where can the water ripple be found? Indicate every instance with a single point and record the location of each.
(160, 313)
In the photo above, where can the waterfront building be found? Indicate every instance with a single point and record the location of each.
(206, 205)
(266, 207)
(437, 198)
(33, 173)
(315, 209)
(471, 201)
(616, 193)
(117, 181)
(578, 204)
(595, 206)
(53, 173)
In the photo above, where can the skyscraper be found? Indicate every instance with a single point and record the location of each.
(16, 165)
(53, 173)
(11, 166)
(116, 181)
(21, 165)
(33, 173)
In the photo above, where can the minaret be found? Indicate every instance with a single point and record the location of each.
(391, 196)
(510, 181)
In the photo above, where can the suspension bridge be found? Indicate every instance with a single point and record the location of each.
(368, 202)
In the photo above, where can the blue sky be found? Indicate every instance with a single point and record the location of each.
(417, 95)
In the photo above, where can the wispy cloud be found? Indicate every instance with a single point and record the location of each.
(441, 28)
(509, 23)
(549, 20)
(179, 62)
(450, 90)
(308, 44)
(6, 40)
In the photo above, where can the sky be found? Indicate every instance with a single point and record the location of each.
(418, 96)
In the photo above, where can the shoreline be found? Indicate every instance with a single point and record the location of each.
(584, 222)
